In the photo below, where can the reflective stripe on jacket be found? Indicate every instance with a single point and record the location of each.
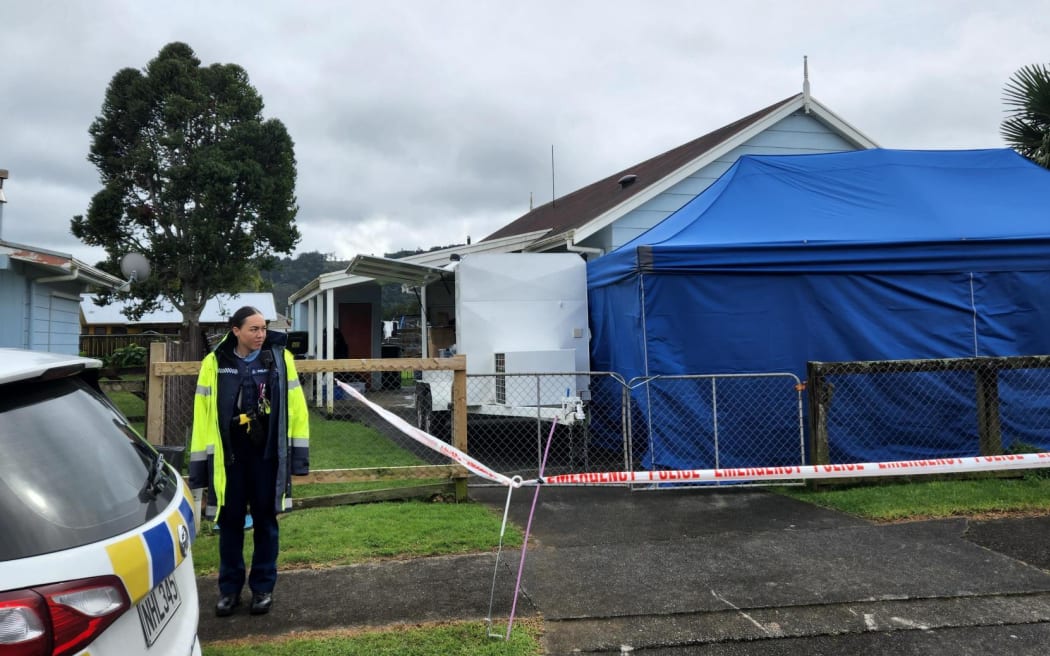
(209, 440)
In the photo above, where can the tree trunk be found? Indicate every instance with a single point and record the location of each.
(193, 343)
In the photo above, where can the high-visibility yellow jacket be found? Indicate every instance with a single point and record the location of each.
(210, 446)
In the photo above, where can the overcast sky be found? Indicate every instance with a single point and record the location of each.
(419, 123)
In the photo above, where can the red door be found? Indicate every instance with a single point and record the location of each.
(355, 323)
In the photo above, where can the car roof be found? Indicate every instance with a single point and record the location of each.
(20, 364)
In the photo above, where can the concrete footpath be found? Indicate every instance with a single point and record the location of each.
(721, 572)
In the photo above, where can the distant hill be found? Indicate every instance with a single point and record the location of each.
(292, 274)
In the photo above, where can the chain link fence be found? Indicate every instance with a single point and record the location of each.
(857, 412)
(601, 423)
(606, 424)
(509, 418)
(919, 409)
(717, 421)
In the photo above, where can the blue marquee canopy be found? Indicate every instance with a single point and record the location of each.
(866, 255)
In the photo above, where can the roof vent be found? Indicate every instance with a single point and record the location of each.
(627, 180)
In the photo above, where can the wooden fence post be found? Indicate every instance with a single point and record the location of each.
(155, 395)
(459, 417)
(820, 392)
(989, 433)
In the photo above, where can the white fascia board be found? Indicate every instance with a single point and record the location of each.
(556, 240)
(97, 276)
(62, 264)
(836, 123)
(305, 292)
(394, 270)
(337, 279)
(424, 268)
(324, 282)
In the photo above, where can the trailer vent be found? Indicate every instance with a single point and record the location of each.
(501, 381)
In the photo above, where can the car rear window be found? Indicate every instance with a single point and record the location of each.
(72, 471)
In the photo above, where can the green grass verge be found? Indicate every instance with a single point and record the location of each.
(338, 444)
(326, 537)
(342, 535)
(456, 639)
(910, 500)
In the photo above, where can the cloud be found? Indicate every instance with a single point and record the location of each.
(418, 123)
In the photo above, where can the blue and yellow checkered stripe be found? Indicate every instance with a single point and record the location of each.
(145, 559)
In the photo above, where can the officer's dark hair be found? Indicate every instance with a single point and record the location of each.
(238, 317)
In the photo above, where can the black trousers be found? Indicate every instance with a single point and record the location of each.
(251, 482)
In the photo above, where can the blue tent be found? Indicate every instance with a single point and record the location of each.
(866, 255)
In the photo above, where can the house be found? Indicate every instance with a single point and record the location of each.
(40, 292)
(110, 319)
(592, 220)
(608, 213)
(107, 323)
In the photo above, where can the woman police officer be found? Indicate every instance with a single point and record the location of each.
(250, 435)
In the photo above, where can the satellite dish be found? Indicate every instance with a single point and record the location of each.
(135, 267)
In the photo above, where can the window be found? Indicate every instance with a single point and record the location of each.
(72, 472)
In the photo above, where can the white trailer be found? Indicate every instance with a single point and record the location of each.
(513, 313)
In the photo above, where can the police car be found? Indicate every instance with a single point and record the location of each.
(95, 528)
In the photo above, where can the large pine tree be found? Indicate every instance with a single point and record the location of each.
(193, 178)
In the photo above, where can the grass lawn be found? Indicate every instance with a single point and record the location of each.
(342, 535)
(1028, 493)
(326, 537)
(455, 639)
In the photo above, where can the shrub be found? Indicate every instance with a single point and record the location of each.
(131, 355)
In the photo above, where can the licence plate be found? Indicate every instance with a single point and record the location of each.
(158, 607)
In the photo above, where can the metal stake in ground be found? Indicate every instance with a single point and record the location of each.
(499, 551)
(524, 543)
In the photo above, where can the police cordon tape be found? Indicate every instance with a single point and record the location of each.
(432, 442)
(805, 472)
(726, 475)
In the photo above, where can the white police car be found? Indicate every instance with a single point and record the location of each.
(95, 529)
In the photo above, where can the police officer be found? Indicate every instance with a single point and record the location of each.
(250, 435)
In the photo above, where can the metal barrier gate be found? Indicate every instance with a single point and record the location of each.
(648, 424)
(714, 421)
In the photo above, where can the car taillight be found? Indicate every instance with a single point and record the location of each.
(24, 624)
(59, 619)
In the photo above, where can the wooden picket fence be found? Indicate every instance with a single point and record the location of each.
(163, 372)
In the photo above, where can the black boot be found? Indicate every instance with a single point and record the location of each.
(261, 602)
(226, 603)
